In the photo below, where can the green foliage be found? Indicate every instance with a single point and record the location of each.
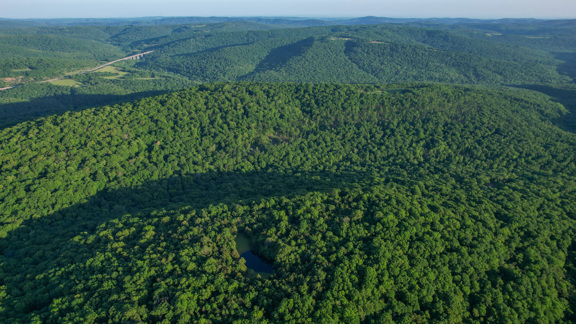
(94, 89)
(322, 60)
(374, 203)
(36, 57)
(366, 54)
(184, 55)
(399, 63)
(405, 203)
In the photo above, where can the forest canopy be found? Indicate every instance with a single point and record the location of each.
(374, 203)
(44, 61)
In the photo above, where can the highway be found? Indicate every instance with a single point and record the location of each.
(131, 57)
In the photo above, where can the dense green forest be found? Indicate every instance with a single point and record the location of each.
(88, 90)
(35, 57)
(374, 203)
(389, 170)
(191, 51)
(382, 53)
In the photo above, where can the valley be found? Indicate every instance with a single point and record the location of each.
(287, 170)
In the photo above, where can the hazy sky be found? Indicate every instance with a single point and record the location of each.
(301, 8)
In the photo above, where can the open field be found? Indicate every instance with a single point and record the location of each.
(67, 82)
(112, 69)
(288, 170)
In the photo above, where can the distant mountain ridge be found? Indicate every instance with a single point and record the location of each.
(293, 21)
(192, 50)
(390, 170)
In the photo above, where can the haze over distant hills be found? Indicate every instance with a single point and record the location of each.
(293, 21)
(385, 170)
(196, 50)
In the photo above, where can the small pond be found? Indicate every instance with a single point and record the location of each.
(253, 261)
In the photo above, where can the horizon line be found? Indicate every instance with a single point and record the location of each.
(290, 17)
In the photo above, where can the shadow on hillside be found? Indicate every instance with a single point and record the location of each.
(45, 245)
(565, 95)
(278, 57)
(209, 50)
(570, 268)
(568, 67)
(13, 113)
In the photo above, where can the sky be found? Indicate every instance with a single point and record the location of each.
(490, 9)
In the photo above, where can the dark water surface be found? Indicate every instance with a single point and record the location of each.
(253, 261)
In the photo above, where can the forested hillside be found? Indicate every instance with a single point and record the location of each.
(85, 91)
(389, 170)
(191, 51)
(382, 53)
(36, 57)
(377, 203)
(495, 52)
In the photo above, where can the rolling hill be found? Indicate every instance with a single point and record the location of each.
(386, 170)
(522, 53)
(373, 203)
